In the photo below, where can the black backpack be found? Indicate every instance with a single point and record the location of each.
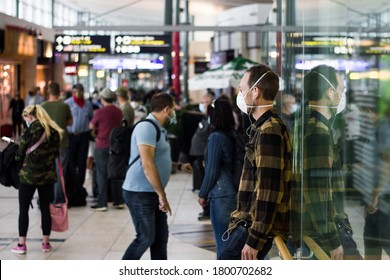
(119, 149)
(9, 169)
(235, 169)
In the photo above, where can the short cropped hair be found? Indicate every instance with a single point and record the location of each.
(54, 89)
(315, 85)
(269, 84)
(161, 100)
(78, 87)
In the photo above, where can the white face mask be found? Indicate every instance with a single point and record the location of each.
(294, 108)
(202, 108)
(342, 103)
(240, 101)
(173, 118)
(343, 98)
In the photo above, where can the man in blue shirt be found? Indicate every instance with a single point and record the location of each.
(146, 179)
(78, 143)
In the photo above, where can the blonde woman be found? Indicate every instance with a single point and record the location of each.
(38, 171)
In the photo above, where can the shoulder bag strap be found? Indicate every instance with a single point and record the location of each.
(157, 139)
(36, 145)
(62, 178)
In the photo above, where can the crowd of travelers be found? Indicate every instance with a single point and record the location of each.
(273, 197)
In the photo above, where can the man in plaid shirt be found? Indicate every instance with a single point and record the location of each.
(320, 214)
(264, 193)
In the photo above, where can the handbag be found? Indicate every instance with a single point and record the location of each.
(59, 211)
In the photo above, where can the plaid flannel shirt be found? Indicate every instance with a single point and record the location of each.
(264, 192)
(323, 185)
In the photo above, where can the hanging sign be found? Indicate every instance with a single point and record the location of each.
(82, 44)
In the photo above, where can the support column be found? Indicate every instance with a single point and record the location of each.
(186, 53)
(176, 59)
(289, 70)
(279, 38)
(168, 57)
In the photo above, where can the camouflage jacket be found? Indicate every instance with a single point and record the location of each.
(38, 167)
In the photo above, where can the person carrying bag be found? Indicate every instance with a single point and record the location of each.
(36, 155)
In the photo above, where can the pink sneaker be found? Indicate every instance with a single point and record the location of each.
(19, 249)
(46, 247)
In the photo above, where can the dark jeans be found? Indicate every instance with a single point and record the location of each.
(351, 251)
(197, 178)
(116, 191)
(17, 125)
(345, 236)
(150, 224)
(101, 160)
(78, 146)
(376, 235)
(197, 172)
(26, 193)
(235, 243)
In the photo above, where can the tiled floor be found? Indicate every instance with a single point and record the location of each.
(106, 235)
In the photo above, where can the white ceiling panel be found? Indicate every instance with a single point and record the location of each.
(308, 12)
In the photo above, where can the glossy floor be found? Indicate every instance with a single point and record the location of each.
(106, 235)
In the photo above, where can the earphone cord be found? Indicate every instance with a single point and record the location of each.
(249, 129)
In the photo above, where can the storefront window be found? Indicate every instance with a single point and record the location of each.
(8, 85)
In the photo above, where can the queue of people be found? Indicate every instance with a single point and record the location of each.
(274, 197)
(61, 128)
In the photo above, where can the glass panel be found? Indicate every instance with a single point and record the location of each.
(341, 154)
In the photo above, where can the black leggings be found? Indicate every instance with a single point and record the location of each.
(26, 194)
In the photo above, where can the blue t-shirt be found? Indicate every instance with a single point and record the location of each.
(145, 134)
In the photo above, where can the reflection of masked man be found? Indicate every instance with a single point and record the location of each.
(321, 212)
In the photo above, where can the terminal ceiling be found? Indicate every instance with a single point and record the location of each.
(151, 12)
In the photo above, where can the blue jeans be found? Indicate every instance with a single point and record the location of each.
(236, 242)
(220, 210)
(150, 225)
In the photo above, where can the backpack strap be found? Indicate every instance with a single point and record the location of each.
(157, 138)
(36, 145)
(62, 179)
